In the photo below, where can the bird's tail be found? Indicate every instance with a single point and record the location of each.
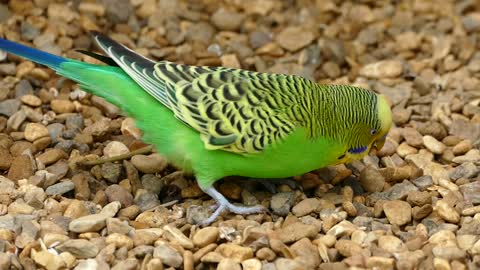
(41, 57)
(107, 81)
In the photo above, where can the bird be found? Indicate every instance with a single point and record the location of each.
(215, 122)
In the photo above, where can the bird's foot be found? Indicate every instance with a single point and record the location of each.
(271, 183)
(223, 204)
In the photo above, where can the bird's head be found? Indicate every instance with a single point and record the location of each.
(368, 131)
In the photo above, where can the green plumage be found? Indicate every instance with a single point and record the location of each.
(216, 122)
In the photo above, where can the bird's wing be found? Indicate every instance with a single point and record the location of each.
(234, 110)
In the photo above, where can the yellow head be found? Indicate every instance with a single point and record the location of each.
(366, 133)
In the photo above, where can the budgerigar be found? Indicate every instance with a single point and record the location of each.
(216, 121)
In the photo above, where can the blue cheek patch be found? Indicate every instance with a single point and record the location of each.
(358, 150)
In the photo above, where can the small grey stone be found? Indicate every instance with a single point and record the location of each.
(401, 190)
(147, 200)
(141, 251)
(16, 119)
(28, 31)
(257, 39)
(111, 171)
(200, 32)
(471, 192)
(55, 130)
(168, 255)
(9, 107)
(23, 88)
(281, 203)
(471, 22)
(466, 170)
(7, 222)
(79, 248)
(59, 169)
(82, 147)
(152, 183)
(69, 134)
(423, 182)
(75, 122)
(470, 226)
(60, 188)
(197, 214)
(65, 145)
(118, 11)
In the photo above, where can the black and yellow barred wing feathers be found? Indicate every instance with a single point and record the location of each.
(233, 110)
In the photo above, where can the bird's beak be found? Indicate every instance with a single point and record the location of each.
(380, 143)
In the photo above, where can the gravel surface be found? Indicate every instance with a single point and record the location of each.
(414, 205)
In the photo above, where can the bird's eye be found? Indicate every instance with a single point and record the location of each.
(373, 131)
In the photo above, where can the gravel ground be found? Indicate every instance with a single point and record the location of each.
(415, 205)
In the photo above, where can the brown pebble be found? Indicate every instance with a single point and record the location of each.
(398, 212)
(203, 251)
(20, 168)
(462, 147)
(51, 156)
(62, 106)
(348, 248)
(266, 253)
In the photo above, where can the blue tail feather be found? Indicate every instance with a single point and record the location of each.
(41, 57)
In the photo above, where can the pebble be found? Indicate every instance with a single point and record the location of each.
(447, 212)
(94, 222)
(60, 188)
(471, 156)
(282, 202)
(227, 20)
(21, 168)
(176, 236)
(433, 145)
(306, 207)
(296, 231)
(398, 212)
(128, 128)
(62, 106)
(462, 147)
(119, 240)
(51, 156)
(348, 248)
(382, 69)
(205, 236)
(116, 193)
(302, 38)
(235, 252)
(114, 148)
(80, 248)
(371, 179)
(48, 260)
(9, 107)
(31, 100)
(306, 253)
(153, 163)
(391, 244)
(6, 160)
(168, 255)
(76, 209)
(34, 131)
(228, 264)
(111, 172)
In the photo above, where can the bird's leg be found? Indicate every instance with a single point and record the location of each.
(223, 203)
